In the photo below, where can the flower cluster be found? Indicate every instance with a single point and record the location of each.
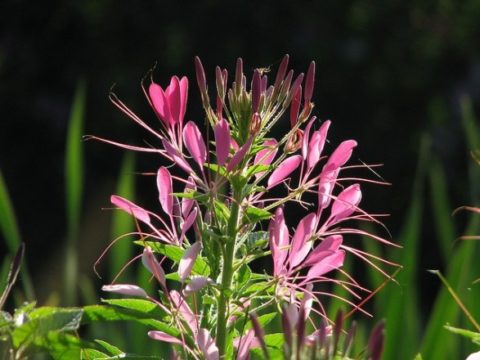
(222, 195)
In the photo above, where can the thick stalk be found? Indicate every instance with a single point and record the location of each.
(227, 273)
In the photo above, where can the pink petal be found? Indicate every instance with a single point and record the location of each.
(306, 136)
(125, 289)
(295, 107)
(300, 244)
(346, 203)
(161, 336)
(164, 185)
(176, 156)
(266, 156)
(283, 170)
(130, 208)
(207, 345)
(327, 264)
(196, 284)
(188, 203)
(239, 155)
(186, 263)
(174, 100)
(291, 313)
(183, 98)
(279, 241)
(222, 141)
(184, 309)
(317, 142)
(340, 156)
(188, 223)
(194, 142)
(307, 301)
(326, 247)
(160, 103)
(244, 343)
(151, 263)
(325, 188)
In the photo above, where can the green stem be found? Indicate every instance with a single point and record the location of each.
(227, 273)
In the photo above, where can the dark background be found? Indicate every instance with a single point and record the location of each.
(387, 72)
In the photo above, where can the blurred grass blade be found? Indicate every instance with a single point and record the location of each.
(441, 208)
(335, 304)
(402, 313)
(11, 234)
(74, 189)
(122, 222)
(8, 221)
(445, 310)
(13, 273)
(469, 123)
(472, 135)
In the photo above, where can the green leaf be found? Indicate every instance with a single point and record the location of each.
(59, 345)
(100, 313)
(243, 275)
(112, 350)
(139, 305)
(221, 211)
(175, 253)
(472, 335)
(255, 169)
(88, 354)
(258, 239)
(263, 320)
(39, 322)
(274, 340)
(215, 168)
(255, 214)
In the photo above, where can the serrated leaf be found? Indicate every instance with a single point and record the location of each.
(255, 214)
(258, 239)
(44, 320)
(243, 275)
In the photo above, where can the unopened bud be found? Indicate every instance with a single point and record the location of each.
(295, 107)
(282, 70)
(255, 123)
(219, 82)
(294, 142)
(256, 91)
(200, 71)
(309, 82)
(238, 76)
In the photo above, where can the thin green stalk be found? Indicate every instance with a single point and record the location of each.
(227, 274)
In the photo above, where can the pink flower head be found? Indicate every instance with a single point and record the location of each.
(170, 104)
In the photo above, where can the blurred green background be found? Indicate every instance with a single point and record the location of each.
(400, 77)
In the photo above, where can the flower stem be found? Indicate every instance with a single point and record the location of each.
(227, 273)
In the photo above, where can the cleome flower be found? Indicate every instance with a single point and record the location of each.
(208, 234)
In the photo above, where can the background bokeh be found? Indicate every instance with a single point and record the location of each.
(388, 74)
